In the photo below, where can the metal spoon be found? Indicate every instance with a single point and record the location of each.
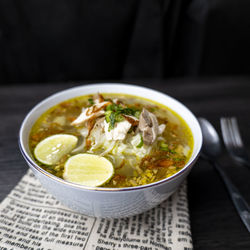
(211, 149)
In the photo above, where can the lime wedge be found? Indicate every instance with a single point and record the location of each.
(87, 169)
(50, 150)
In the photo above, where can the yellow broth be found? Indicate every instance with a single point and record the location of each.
(167, 156)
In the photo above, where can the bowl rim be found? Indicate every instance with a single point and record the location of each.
(36, 167)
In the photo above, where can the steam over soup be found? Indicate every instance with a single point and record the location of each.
(111, 140)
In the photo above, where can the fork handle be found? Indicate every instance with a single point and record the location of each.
(245, 162)
(239, 202)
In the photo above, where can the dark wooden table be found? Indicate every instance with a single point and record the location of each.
(214, 221)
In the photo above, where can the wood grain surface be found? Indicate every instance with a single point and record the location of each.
(214, 221)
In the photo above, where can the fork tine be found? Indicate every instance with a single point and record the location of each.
(225, 131)
(233, 140)
(231, 132)
(236, 131)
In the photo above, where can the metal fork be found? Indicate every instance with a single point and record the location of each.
(233, 141)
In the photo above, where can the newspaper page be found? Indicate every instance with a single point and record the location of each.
(32, 219)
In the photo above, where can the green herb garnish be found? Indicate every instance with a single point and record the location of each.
(137, 114)
(141, 143)
(178, 159)
(114, 113)
(91, 101)
(164, 147)
(113, 117)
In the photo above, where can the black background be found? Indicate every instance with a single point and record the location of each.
(64, 40)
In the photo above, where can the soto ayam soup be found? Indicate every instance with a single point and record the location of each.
(111, 140)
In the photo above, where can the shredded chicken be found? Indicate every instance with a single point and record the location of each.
(131, 119)
(94, 111)
(161, 128)
(92, 117)
(148, 125)
(119, 132)
(99, 124)
(98, 98)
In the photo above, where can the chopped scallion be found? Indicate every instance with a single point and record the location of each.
(141, 143)
(91, 101)
(114, 114)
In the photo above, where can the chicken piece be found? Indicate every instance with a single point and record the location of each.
(161, 128)
(99, 124)
(119, 132)
(131, 119)
(83, 117)
(148, 125)
(94, 111)
(98, 98)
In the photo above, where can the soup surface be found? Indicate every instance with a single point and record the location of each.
(144, 140)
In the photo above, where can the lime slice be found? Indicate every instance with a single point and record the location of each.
(50, 150)
(87, 169)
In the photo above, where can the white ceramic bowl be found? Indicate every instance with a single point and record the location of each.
(109, 202)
